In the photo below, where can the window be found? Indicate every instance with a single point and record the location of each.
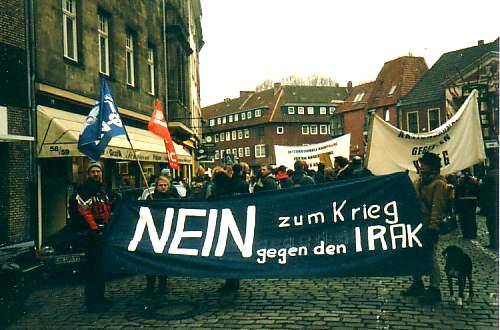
(305, 129)
(393, 89)
(322, 110)
(218, 121)
(212, 122)
(222, 136)
(247, 151)
(228, 136)
(323, 129)
(69, 29)
(359, 97)
(243, 116)
(291, 110)
(258, 113)
(236, 117)
(332, 110)
(260, 151)
(249, 114)
(234, 151)
(337, 127)
(240, 134)
(240, 152)
(224, 119)
(216, 138)
(300, 110)
(216, 154)
(129, 48)
(228, 151)
(280, 130)
(246, 133)
(310, 110)
(151, 71)
(103, 44)
(314, 129)
(434, 118)
(387, 114)
(230, 118)
(412, 122)
(233, 135)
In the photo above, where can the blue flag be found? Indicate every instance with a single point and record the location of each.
(102, 123)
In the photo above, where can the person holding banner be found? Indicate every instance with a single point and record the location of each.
(432, 196)
(94, 207)
(162, 191)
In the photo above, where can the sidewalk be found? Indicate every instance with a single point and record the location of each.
(339, 303)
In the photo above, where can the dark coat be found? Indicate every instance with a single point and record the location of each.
(301, 179)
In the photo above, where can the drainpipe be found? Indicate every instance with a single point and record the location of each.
(31, 105)
(165, 58)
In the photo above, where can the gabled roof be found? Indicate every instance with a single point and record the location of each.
(396, 79)
(349, 103)
(272, 100)
(432, 84)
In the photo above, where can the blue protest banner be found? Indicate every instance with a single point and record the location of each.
(361, 227)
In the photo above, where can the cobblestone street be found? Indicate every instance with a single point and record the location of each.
(340, 303)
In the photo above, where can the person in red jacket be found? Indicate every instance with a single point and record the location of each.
(94, 206)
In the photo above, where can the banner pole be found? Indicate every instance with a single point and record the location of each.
(138, 162)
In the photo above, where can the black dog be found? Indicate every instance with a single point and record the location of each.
(458, 265)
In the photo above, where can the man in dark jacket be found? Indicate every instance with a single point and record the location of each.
(239, 184)
(432, 196)
(266, 179)
(343, 168)
(94, 206)
(299, 177)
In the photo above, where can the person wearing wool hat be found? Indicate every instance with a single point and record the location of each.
(432, 197)
(94, 208)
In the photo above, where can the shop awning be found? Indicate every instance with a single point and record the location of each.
(58, 133)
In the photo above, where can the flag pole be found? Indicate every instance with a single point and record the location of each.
(137, 159)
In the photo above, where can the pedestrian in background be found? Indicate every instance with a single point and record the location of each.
(466, 194)
(343, 170)
(94, 207)
(319, 176)
(432, 197)
(488, 199)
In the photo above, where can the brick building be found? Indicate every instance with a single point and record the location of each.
(74, 44)
(17, 179)
(446, 85)
(249, 126)
(395, 80)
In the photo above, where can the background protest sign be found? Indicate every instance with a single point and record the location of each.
(459, 143)
(287, 155)
(361, 227)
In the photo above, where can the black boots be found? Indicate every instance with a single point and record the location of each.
(415, 290)
(431, 296)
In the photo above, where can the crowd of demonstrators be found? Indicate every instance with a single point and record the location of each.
(94, 207)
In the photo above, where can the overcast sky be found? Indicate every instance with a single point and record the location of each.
(248, 41)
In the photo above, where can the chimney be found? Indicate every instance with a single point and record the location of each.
(245, 94)
(227, 99)
(276, 87)
(349, 86)
(480, 42)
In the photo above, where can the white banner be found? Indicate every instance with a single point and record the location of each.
(287, 155)
(459, 143)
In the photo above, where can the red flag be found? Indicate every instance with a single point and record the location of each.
(158, 125)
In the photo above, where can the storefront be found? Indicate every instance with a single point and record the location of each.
(61, 167)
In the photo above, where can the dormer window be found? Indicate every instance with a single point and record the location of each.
(359, 96)
(300, 110)
(291, 110)
(393, 89)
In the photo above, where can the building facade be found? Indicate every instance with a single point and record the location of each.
(394, 81)
(248, 127)
(146, 51)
